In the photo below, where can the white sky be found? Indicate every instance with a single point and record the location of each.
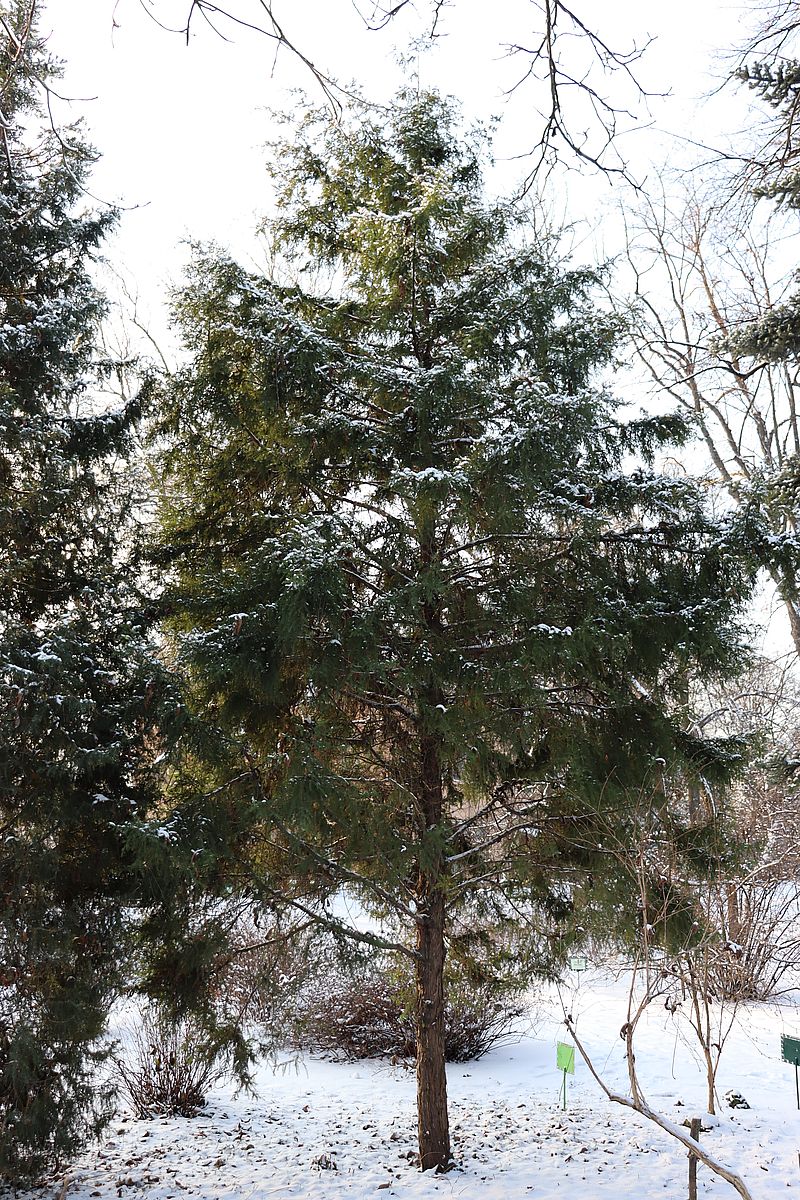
(181, 128)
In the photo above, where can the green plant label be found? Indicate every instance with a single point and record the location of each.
(578, 962)
(790, 1049)
(565, 1057)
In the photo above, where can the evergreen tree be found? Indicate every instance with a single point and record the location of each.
(775, 335)
(78, 680)
(439, 632)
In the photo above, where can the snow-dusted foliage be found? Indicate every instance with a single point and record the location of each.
(444, 628)
(78, 682)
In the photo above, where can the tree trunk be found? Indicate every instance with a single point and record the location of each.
(710, 1079)
(792, 606)
(794, 622)
(433, 1122)
(432, 1117)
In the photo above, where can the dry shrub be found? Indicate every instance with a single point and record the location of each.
(265, 966)
(166, 1068)
(370, 1015)
(476, 1021)
(758, 926)
(356, 1019)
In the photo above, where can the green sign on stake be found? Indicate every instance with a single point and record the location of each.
(790, 1049)
(565, 1061)
(790, 1052)
(565, 1057)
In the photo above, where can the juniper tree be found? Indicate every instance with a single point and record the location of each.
(440, 626)
(79, 685)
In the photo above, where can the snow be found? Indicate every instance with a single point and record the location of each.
(320, 1129)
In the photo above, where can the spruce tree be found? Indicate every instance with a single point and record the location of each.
(79, 684)
(439, 629)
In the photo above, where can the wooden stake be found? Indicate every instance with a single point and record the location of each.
(694, 1131)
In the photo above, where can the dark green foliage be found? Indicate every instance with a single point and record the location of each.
(440, 631)
(775, 336)
(80, 687)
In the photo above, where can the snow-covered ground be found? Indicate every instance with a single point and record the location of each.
(322, 1129)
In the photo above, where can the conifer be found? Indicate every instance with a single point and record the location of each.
(78, 679)
(775, 335)
(440, 623)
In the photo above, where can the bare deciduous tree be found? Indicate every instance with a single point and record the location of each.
(636, 1100)
(700, 278)
(678, 971)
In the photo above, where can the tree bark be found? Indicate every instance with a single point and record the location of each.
(710, 1078)
(433, 1121)
(794, 617)
(432, 1116)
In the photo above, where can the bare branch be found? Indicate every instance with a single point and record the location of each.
(565, 56)
(640, 1105)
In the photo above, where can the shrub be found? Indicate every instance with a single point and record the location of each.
(758, 927)
(476, 1020)
(261, 974)
(369, 1015)
(167, 1067)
